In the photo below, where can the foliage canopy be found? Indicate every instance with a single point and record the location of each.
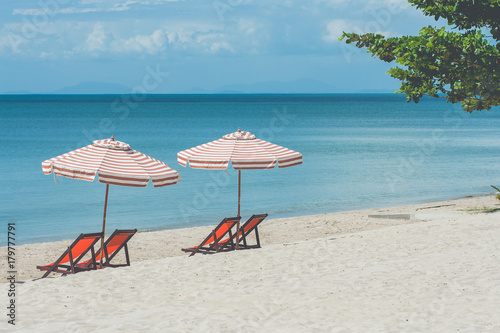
(463, 65)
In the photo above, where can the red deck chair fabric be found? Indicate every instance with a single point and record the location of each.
(116, 241)
(211, 243)
(68, 261)
(250, 225)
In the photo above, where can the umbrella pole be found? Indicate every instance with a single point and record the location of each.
(104, 224)
(239, 201)
(239, 191)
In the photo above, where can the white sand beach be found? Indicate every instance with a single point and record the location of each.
(433, 268)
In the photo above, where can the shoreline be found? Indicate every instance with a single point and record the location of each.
(168, 242)
(159, 229)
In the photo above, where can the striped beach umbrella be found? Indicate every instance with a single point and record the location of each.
(114, 163)
(244, 151)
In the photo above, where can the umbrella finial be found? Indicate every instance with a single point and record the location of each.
(112, 138)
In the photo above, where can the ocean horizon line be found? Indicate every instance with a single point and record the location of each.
(203, 93)
(233, 97)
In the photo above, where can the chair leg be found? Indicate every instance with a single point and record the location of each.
(215, 241)
(72, 266)
(126, 255)
(231, 243)
(46, 274)
(93, 258)
(257, 236)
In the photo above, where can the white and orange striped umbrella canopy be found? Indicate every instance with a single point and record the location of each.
(114, 162)
(243, 150)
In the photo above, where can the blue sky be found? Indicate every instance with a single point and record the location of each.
(46, 45)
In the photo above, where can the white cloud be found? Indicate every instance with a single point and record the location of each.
(101, 41)
(11, 43)
(152, 44)
(73, 10)
(88, 6)
(47, 55)
(401, 4)
(194, 29)
(252, 35)
(31, 11)
(38, 40)
(70, 10)
(335, 28)
(98, 39)
(394, 6)
(221, 46)
(332, 2)
(210, 41)
(68, 39)
(125, 2)
(249, 26)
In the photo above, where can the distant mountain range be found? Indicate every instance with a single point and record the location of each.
(17, 92)
(94, 88)
(90, 88)
(301, 86)
(304, 86)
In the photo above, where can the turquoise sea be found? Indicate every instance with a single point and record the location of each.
(360, 151)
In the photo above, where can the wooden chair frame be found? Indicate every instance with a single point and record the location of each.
(107, 257)
(247, 228)
(63, 267)
(209, 247)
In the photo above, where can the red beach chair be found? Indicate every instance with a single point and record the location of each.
(247, 228)
(117, 240)
(68, 261)
(211, 243)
